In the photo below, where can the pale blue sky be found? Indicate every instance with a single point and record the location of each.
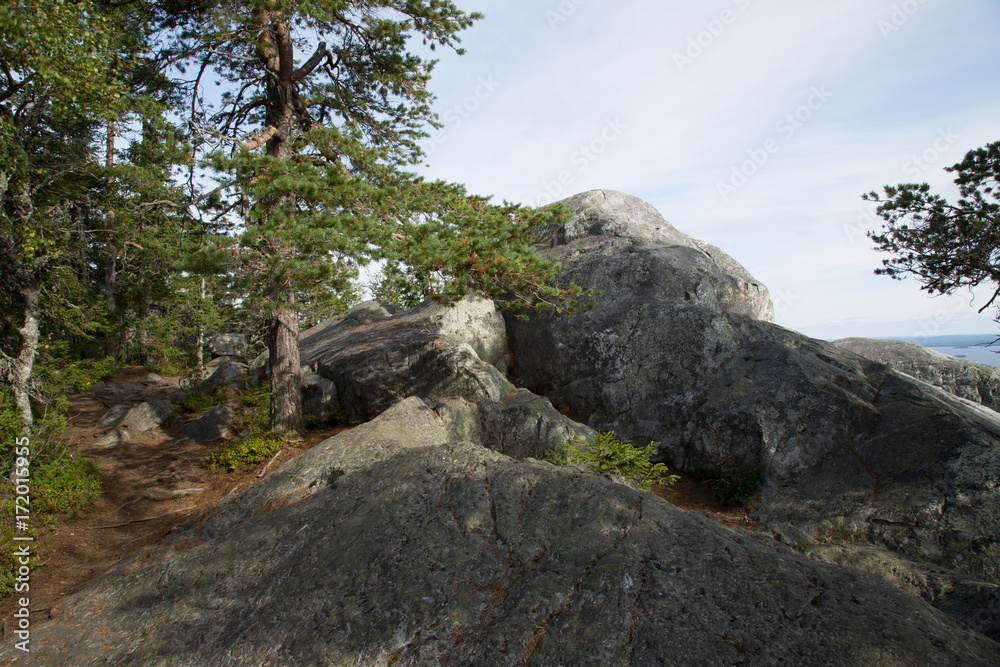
(754, 125)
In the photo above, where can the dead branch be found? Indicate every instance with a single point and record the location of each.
(261, 138)
(148, 518)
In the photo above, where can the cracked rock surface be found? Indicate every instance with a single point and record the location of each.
(966, 379)
(846, 449)
(394, 543)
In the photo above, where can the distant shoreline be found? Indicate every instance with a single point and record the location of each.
(970, 347)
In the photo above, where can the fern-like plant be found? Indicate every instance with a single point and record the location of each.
(607, 454)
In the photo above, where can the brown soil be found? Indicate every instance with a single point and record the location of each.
(690, 494)
(151, 487)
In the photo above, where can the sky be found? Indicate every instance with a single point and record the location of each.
(755, 125)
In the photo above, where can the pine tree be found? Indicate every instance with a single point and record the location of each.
(313, 151)
(945, 245)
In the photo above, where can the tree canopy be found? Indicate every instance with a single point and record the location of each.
(945, 245)
(268, 153)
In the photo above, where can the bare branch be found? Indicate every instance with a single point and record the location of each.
(261, 138)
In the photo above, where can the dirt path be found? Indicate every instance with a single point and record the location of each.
(151, 487)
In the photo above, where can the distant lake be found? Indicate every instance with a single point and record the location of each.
(970, 348)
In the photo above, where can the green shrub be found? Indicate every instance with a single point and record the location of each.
(338, 417)
(65, 485)
(252, 422)
(61, 485)
(174, 362)
(59, 371)
(608, 455)
(246, 451)
(254, 413)
(741, 486)
(203, 400)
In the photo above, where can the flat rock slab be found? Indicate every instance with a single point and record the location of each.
(113, 439)
(211, 425)
(393, 544)
(144, 416)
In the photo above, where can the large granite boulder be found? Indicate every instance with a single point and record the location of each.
(228, 345)
(845, 448)
(432, 351)
(630, 242)
(395, 544)
(968, 379)
(145, 416)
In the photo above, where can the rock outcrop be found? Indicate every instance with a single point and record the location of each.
(845, 448)
(361, 366)
(228, 345)
(628, 242)
(966, 379)
(975, 603)
(394, 543)
(145, 416)
(211, 425)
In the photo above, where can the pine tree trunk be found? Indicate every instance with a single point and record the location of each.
(286, 372)
(21, 376)
(275, 50)
(111, 346)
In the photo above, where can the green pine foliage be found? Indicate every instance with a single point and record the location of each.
(606, 454)
(946, 245)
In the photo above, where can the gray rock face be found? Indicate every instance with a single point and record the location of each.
(845, 448)
(966, 379)
(395, 544)
(144, 416)
(363, 313)
(433, 351)
(319, 395)
(627, 239)
(228, 345)
(974, 603)
(115, 438)
(225, 374)
(211, 425)
(151, 378)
